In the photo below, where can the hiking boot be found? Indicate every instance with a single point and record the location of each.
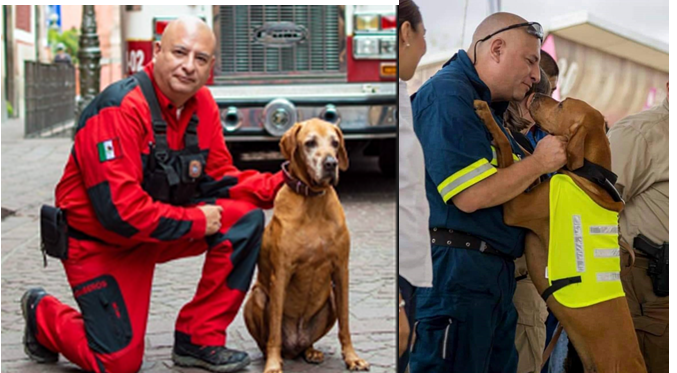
(214, 358)
(33, 348)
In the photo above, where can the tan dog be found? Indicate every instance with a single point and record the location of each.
(302, 284)
(603, 334)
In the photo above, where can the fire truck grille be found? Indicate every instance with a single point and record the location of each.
(241, 55)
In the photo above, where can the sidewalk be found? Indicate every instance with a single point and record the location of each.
(32, 167)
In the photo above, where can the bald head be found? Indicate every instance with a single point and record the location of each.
(184, 58)
(494, 23)
(508, 61)
(189, 25)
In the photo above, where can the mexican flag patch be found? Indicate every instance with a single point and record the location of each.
(109, 149)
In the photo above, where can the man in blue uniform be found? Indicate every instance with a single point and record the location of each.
(466, 322)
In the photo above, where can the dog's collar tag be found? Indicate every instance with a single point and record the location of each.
(298, 186)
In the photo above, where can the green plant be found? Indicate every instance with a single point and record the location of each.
(69, 38)
(10, 109)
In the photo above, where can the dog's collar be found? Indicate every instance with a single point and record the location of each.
(600, 176)
(298, 186)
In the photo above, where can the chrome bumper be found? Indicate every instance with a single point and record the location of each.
(364, 111)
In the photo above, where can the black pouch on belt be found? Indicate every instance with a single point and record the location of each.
(53, 233)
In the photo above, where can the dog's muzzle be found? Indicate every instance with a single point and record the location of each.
(329, 169)
(329, 165)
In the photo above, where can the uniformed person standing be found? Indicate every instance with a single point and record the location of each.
(466, 321)
(639, 156)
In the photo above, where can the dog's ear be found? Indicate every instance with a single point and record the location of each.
(288, 141)
(342, 153)
(576, 146)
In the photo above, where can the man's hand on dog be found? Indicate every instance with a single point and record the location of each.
(213, 215)
(551, 153)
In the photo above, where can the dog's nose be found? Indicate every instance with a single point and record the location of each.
(330, 163)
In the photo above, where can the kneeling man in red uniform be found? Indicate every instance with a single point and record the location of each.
(149, 180)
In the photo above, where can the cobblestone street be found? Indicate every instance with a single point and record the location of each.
(32, 167)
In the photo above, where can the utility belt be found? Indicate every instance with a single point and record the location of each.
(456, 239)
(658, 263)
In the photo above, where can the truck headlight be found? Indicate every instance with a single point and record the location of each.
(366, 47)
(378, 47)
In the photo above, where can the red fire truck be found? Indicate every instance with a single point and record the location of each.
(280, 64)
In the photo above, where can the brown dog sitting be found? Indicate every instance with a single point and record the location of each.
(602, 333)
(302, 284)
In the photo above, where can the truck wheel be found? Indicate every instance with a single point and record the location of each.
(387, 160)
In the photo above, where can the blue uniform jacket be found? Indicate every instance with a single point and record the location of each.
(458, 153)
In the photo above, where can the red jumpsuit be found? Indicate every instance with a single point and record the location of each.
(126, 233)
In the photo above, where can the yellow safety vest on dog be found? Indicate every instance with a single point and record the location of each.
(583, 257)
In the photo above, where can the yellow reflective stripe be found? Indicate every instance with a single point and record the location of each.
(464, 178)
(494, 160)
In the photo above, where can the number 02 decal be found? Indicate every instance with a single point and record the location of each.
(135, 60)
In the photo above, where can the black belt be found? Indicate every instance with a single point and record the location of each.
(452, 238)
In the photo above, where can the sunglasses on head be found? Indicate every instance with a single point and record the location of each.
(533, 28)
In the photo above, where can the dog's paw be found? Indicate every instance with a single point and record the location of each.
(313, 356)
(481, 106)
(273, 366)
(356, 364)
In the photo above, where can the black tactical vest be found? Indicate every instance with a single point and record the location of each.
(170, 176)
